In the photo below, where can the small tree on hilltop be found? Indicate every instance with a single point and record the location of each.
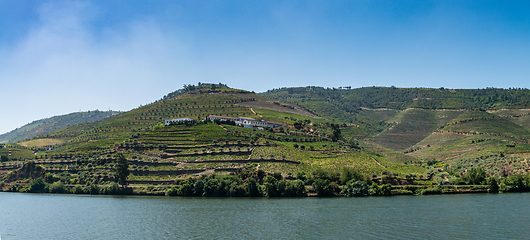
(121, 169)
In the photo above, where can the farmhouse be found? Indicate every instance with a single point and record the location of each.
(247, 122)
(168, 122)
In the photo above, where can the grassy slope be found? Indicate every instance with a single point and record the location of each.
(42, 142)
(48, 125)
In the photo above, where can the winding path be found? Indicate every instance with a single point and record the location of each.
(377, 162)
(255, 112)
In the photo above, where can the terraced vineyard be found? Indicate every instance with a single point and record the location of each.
(160, 154)
(378, 144)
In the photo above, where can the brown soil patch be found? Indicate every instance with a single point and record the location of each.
(269, 105)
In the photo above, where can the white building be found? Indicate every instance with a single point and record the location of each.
(247, 122)
(262, 123)
(168, 122)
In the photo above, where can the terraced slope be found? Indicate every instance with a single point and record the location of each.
(408, 128)
(474, 136)
(162, 154)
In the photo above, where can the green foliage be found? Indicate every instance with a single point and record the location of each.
(356, 189)
(78, 189)
(300, 175)
(172, 191)
(252, 188)
(475, 176)
(158, 127)
(295, 188)
(198, 188)
(323, 187)
(271, 187)
(384, 190)
(111, 189)
(121, 169)
(492, 184)
(186, 189)
(57, 187)
(430, 190)
(94, 190)
(37, 186)
(348, 174)
(515, 183)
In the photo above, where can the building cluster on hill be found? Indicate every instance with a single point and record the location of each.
(239, 121)
(247, 122)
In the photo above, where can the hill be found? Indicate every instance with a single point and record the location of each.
(303, 145)
(48, 125)
(417, 137)
(448, 125)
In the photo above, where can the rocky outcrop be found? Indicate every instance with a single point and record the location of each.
(29, 170)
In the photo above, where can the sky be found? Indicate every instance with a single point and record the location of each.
(58, 57)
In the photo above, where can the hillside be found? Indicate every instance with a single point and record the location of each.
(49, 125)
(303, 144)
(371, 107)
(462, 128)
(394, 139)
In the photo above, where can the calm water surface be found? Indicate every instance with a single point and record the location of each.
(467, 216)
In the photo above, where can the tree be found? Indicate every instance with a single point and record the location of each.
(475, 176)
(121, 169)
(336, 132)
(271, 186)
(37, 186)
(492, 185)
(323, 187)
(252, 188)
(356, 189)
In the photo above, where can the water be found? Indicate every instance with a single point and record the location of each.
(466, 216)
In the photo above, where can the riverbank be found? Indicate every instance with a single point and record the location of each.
(172, 190)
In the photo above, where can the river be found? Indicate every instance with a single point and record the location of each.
(463, 216)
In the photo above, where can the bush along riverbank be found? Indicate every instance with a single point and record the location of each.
(249, 181)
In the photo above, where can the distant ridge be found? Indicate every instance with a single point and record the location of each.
(49, 125)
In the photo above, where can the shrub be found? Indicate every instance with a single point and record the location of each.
(348, 174)
(356, 189)
(77, 189)
(385, 190)
(300, 176)
(172, 192)
(401, 192)
(111, 189)
(323, 187)
(294, 188)
(57, 187)
(493, 187)
(94, 190)
(37, 186)
(430, 190)
(252, 188)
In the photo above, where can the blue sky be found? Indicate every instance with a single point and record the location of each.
(58, 57)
